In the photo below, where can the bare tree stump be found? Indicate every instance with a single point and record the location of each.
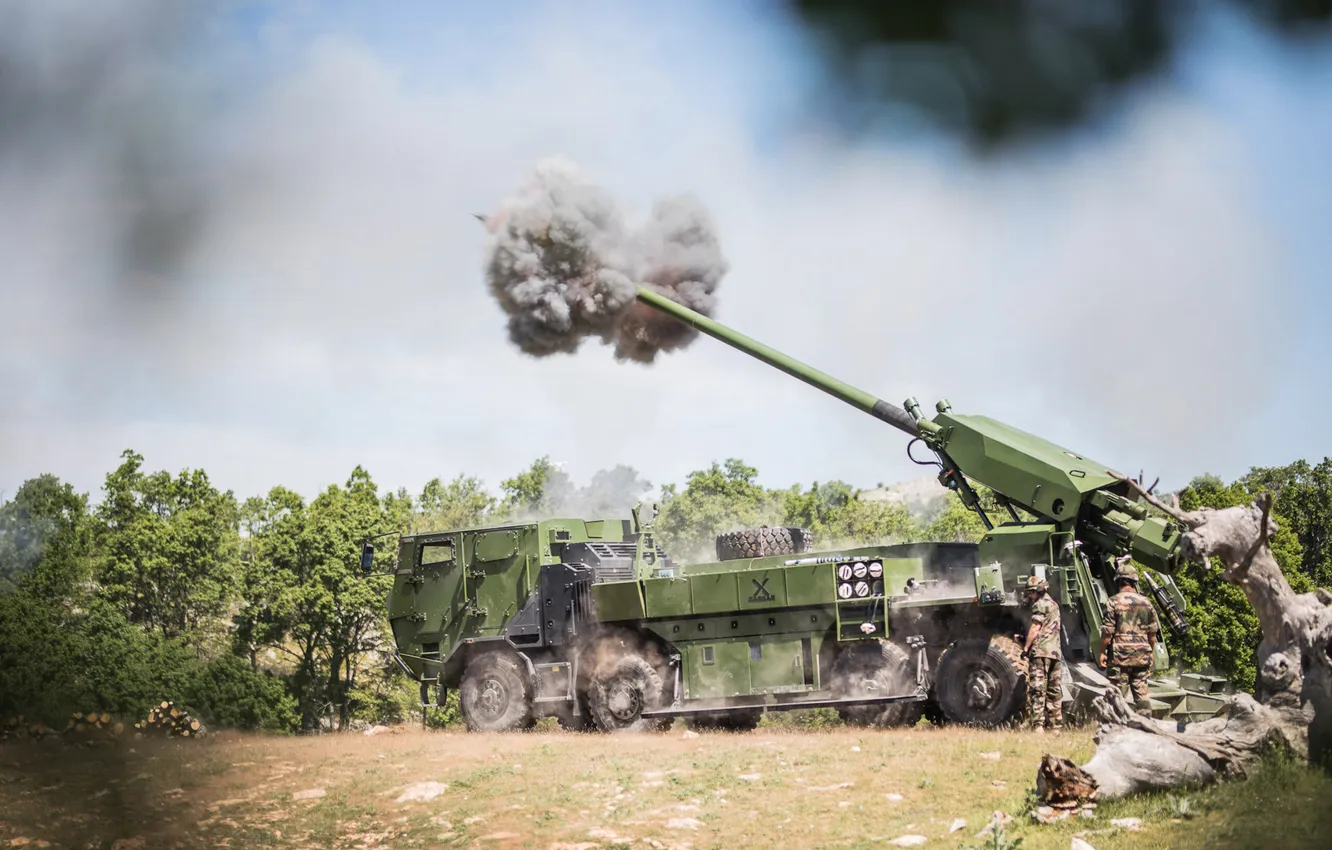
(1292, 706)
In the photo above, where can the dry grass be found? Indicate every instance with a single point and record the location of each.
(774, 788)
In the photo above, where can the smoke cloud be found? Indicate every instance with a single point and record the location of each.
(566, 266)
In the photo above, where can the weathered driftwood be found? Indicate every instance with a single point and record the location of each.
(1290, 710)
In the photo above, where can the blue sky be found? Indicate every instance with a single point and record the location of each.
(1153, 294)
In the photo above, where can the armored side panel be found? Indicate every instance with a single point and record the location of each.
(1034, 472)
(526, 585)
(765, 626)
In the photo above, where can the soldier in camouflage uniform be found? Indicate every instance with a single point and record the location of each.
(1043, 653)
(1129, 635)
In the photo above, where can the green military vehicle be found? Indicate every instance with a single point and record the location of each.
(591, 622)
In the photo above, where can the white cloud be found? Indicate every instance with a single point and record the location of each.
(1118, 300)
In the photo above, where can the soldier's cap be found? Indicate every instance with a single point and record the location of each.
(1126, 572)
(1035, 583)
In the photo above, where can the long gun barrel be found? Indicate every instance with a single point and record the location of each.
(869, 403)
(1022, 470)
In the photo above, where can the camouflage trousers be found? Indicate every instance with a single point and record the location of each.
(1129, 680)
(1045, 695)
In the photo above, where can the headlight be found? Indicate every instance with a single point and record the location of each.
(844, 571)
(844, 590)
(860, 569)
(875, 569)
(862, 588)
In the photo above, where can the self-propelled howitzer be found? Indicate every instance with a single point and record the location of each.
(1080, 515)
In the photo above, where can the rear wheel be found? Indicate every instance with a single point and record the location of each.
(981, 681)
(495, 696)
(875, 669)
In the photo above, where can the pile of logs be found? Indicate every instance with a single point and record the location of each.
(16, 728)
(92, 726)
(165, 719)
(170, 720)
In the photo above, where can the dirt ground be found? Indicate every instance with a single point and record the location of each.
(552, 789)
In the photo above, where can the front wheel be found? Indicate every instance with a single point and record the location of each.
(621, 692)
(875, 668)
(495, 695)
(980, 681)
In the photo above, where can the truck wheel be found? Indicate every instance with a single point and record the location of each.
(495, 696)
(979, 681)
(620, 693)
(875, 668)
(765, 540)
(727, 721)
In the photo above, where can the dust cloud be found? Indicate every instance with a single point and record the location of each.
(565, 265)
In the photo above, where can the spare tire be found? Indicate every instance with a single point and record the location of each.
(764, 540)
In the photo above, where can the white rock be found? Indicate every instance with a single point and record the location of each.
(1131, 824)
(957, 824)
(908, 841)
(422, 791)
(894, 798)
(311, 794)
(1079, 844)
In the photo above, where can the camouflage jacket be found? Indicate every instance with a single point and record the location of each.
(1045, 617)
(1131, 619)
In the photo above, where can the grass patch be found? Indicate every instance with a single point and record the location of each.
(782, 785)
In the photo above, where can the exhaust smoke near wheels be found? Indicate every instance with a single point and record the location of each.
(565, 265)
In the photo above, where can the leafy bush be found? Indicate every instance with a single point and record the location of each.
(228, 693)
(387, 697)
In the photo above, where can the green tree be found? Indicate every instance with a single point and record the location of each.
(1303, 504)
(45, 521)
(817, 508)
(171, 550)
(526, 492)
(721, 498)
(304, 594)
(837, 514)
(956, 523)
(461, 503)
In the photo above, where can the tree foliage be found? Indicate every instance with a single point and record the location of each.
(720, 498)
(170, 551)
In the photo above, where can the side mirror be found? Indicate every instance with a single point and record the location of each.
(368, 558)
